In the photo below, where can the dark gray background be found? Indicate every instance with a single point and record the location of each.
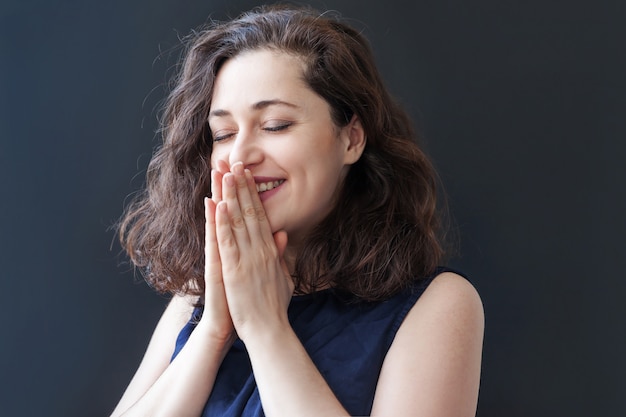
(522, 108)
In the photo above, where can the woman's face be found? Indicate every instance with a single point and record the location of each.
(264, 115)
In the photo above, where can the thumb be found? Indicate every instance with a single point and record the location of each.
(280, 239)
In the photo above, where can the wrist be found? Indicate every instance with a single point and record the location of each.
(265, 334)
(217, 335)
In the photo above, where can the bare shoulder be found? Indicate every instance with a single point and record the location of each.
(450, 295)
(433, 365)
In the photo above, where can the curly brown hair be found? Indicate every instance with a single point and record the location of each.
(385, 231)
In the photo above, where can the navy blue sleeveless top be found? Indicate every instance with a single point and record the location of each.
(346, 339)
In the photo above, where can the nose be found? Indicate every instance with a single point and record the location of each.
(246, 149)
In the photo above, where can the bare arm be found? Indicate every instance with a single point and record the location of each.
(182, 387)
(289, 382)
(258, 290)
(160, 350)
(432, 369)
(433, 366)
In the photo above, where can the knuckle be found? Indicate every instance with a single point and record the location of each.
(260, 213)
(237, 222)
(228, 242)
(250, 211)
(241, 182)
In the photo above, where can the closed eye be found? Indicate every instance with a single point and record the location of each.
(277, 128)
(220, 137)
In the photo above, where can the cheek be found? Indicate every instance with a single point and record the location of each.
(218, 155)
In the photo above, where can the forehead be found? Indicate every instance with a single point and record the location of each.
(259, 75)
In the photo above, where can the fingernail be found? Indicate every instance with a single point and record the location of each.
(230, 180)
(238, 168)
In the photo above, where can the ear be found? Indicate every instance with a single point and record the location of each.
(354, 139)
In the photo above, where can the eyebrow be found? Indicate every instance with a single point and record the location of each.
(256, 106)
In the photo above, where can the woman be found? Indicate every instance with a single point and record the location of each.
(307, 284)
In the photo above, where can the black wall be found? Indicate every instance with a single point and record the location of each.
(522, 108)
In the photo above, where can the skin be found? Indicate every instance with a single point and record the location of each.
(274, 124)
(433, 366)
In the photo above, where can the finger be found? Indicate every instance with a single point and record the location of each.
(280, 238)
(212, 263)
(265, 230)
(233, 210)
(226, 242)
(216, 306)
(253, 213)
(216, 185)
(222, 166)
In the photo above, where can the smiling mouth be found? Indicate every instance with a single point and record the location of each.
(266, 186)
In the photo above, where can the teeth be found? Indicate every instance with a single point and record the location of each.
(266, 186)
